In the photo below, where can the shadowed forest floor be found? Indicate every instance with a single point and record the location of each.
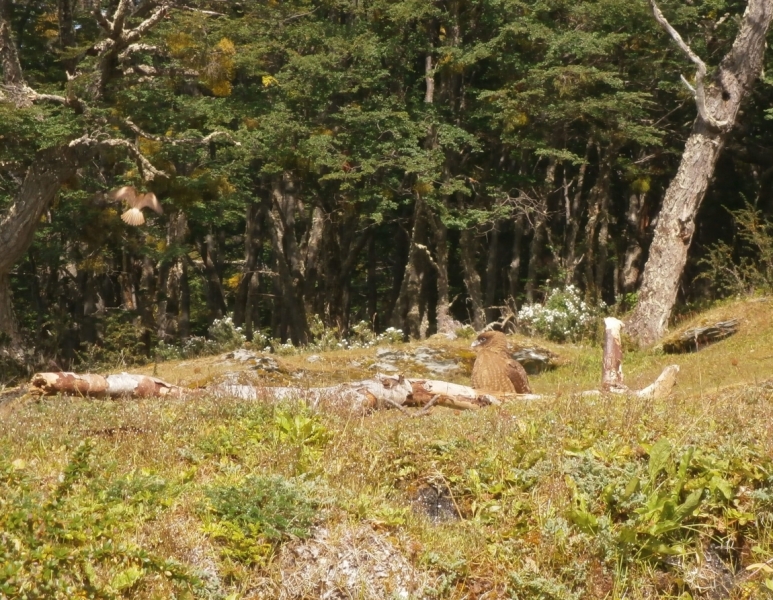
(565, 497)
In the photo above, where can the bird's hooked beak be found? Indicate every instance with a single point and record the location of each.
(476, 343)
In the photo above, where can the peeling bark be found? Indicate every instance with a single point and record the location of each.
(676, 221)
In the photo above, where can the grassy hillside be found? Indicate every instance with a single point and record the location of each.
(562, 498)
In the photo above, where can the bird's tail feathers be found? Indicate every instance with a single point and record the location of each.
(133, 216)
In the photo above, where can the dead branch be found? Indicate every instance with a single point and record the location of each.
(178, 141)
(122, 384)
(698, 92)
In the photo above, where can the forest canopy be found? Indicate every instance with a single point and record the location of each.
(410, 164)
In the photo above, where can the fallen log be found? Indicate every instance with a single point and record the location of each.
(383, 391)
(696, 338)
(89, 384)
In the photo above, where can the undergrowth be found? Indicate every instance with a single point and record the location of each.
(569, 497)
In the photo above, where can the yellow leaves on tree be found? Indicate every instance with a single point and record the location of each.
(47, 26)
(233, 282)
(269, 80)
(215, 65)
(219, 70)
(422, 188)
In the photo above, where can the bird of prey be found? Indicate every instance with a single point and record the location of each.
(136, 201)
(494, 370)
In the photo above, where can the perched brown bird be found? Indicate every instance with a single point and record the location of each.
(494, 370)
(136, 202)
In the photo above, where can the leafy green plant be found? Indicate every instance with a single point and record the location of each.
(249, 520)
(63, 544)
(300, 429)
(225, 334)
(746, 264)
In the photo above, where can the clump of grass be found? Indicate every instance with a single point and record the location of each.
(250, 519)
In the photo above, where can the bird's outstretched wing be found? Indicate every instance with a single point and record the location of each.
(127, 193)
(133, 217)
(148, 200)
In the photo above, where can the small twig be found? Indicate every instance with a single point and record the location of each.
(397, 405)
(450, 493)
(426, 408)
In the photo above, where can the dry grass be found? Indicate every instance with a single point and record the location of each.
(516, 480)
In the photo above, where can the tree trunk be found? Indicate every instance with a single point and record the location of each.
(372, 283)
(676, 221)
(281, 227)
(597, 229)
(10, 340)
(445, 323)
(66, 17)
(514, 274)
(632, 254)
(215, 296)
(407, 312)
(252, 246)
(572, 203)
(45, 176)
(468, 243)
(492, 266)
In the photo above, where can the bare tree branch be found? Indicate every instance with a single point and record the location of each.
(209, 13)
(700, 74)
(147, 170)
(132, 48)
(179, 141)
(101, 19)
(158, 14)
(119, 18)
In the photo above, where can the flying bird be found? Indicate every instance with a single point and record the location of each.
(494, 370)
(136, 201)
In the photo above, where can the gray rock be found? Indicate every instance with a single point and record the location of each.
(387, 354)
(314, 358)
(265, 363)
(535, 360)
(242, 355)
(431, 360)
(383, 367)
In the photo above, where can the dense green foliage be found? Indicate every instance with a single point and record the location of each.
(396, 159)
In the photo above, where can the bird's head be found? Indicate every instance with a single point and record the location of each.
(490, 340)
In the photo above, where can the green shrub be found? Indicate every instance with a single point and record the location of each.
(251, 519)
(746, 265)
(63, 544)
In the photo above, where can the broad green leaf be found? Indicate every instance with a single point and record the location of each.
(659, 455)
(723, 485)
(689, 505)
(127, 578)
